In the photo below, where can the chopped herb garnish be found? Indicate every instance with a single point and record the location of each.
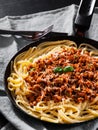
(58, 70)
(31, 69)
(68, 69)
(64, 70)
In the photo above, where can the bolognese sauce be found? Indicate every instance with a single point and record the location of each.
(65, 74)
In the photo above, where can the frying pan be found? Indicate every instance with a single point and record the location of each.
(82, 24)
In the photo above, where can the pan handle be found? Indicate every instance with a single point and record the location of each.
(84, 16)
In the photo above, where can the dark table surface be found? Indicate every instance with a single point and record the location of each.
(22, 7)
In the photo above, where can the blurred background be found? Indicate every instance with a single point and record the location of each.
(22, 7)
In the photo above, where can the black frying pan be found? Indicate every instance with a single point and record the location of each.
(82, 23)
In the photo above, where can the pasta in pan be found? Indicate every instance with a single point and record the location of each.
(57, 82)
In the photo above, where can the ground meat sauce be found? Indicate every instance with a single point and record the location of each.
(78, 85)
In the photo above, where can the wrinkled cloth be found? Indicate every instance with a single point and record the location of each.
(62, 20)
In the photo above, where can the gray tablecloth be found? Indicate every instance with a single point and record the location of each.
(62, 19)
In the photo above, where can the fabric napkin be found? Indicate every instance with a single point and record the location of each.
(62, 19)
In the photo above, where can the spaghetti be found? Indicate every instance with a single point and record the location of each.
(57, 82)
